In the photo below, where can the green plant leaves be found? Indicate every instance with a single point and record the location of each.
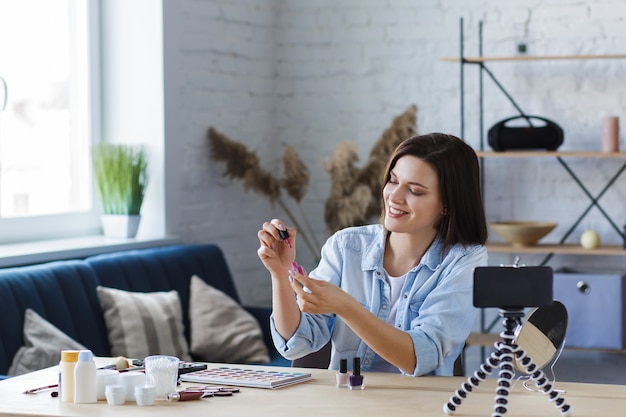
(121, 175)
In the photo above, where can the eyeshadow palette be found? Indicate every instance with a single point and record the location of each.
(246, 377)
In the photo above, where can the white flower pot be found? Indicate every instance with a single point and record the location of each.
(120, 226)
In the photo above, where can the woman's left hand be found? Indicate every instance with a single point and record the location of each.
(315, 296)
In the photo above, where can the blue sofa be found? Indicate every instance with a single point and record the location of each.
(64, 292)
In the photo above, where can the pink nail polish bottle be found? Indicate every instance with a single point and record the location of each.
(356, 379)
(342, 377)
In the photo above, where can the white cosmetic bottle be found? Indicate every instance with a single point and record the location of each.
(66, 375)
(85, 379)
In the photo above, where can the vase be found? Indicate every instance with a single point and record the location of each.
(120, 226)
(610, 134)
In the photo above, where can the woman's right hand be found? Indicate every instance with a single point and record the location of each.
(275, 252)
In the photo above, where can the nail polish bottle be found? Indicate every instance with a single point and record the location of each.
(342, 377)
(284, 235)
(356, 379)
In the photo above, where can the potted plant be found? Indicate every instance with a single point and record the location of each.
(121, 176)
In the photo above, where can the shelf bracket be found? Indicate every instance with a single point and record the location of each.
(594, 203)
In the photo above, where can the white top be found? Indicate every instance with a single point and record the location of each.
(395, 290)
(395, 285)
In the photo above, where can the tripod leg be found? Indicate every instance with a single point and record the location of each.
(472, 382)
(539, 377)
(505, 377)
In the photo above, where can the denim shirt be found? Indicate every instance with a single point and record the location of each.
(435, 308)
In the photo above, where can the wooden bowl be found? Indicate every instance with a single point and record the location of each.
(522, 233)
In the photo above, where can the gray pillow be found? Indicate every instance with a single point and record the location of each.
(221, 330)
(43, 343)
(141, 324)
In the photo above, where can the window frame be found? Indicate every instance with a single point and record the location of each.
(81, 223)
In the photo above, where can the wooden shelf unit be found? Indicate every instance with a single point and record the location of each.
(485, 338)
(606, 250)
(555, 249)
(560, 156)
(561, 248)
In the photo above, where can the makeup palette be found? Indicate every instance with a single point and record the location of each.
(246, 377)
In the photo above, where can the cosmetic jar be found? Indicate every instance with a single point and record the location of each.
(145, 395)
(115, 394)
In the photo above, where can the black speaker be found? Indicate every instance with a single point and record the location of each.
(503, 137)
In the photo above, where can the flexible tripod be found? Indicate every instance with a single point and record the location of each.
(503, 358)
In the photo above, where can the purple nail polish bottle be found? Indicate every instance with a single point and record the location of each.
(356, 379)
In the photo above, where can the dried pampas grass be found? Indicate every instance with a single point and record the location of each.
(243, 164)
(296, 178)
(355, 194)
(348, 203)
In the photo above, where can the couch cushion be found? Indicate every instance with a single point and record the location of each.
(141, 324)
(221, 330)
(43, 344)
(63, 293)
(163, 269)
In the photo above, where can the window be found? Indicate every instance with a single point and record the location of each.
(48, 99)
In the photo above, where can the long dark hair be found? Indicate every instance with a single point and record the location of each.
(456, 165)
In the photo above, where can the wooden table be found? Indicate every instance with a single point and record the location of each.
(385, 395)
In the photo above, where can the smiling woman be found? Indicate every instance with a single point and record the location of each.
(46, 119)
(396, 296)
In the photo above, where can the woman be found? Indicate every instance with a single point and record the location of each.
(396, 294)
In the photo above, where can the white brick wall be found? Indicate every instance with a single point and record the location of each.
(313, 73)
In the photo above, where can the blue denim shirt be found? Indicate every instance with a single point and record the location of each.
(435, 308)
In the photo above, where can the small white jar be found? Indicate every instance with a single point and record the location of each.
(145, 395)
(115, 394)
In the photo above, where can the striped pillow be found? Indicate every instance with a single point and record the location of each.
(141, 324)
